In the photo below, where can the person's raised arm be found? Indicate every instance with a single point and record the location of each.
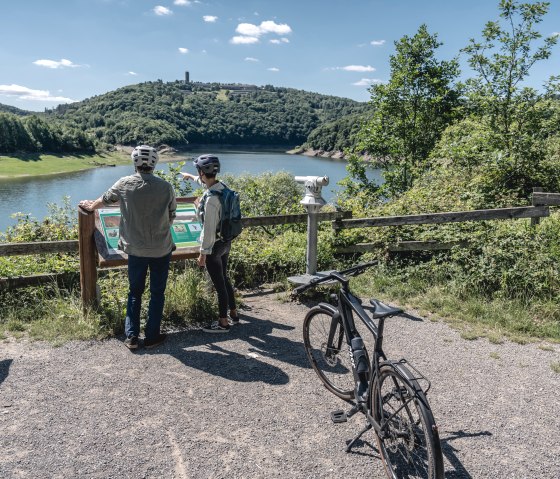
(188, 176)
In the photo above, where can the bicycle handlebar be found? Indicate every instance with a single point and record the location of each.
(338, 275)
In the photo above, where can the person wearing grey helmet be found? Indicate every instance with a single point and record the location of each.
(214, 250)
(147, 205)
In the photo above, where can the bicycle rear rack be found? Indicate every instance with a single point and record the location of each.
(422, 380)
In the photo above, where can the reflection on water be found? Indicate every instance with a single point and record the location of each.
(31, 195)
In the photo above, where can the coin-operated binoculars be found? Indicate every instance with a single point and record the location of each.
(312, 202)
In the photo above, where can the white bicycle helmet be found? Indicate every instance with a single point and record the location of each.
(144, 156)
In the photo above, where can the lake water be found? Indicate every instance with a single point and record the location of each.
(31, 195)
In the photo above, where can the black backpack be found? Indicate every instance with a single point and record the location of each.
(230, 223)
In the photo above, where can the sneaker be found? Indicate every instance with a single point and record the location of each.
(233, 320)
(216, 327)
(152, 343)
(131, 343)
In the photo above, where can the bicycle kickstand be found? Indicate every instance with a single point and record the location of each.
(360, 434)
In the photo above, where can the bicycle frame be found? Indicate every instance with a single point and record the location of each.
(348, 304)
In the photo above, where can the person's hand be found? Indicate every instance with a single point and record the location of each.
(196, 202)
(202, 260)
(86, 205)
(187, 176)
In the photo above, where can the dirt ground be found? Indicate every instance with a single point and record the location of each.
(247, 405)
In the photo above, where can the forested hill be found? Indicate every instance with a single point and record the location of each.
(178, 113)
(14, 110)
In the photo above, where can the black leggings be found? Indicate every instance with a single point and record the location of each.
(216, 265)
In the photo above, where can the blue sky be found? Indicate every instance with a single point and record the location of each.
(54, 52)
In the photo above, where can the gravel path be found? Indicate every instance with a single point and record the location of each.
(248, 405)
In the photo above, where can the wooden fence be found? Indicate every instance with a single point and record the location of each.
(73, 246)
(340, 220)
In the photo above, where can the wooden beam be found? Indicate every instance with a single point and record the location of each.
(447, 217)
(36, 280)
(88, 255)
(39, 247)
(548, 199)
(291, 219)
(403, 246)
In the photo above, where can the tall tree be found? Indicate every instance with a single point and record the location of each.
(411, 110)
(502, 60)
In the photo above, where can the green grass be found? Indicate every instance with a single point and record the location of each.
(55, 315)
(475, 316)
(555, 367)
(41, 164)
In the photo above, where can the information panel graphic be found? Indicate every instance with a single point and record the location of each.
(185, 230)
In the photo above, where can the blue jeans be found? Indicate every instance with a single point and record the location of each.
(137, 270)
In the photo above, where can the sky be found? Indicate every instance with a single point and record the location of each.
(61, 51)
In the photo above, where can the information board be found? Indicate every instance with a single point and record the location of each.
(185, 232)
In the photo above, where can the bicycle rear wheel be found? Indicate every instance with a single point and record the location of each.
(409, 444)
(328, 352)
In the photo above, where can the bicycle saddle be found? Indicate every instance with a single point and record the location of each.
(382, 310)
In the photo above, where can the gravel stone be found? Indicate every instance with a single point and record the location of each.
(247, 405)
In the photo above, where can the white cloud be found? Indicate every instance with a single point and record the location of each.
(367, 81)
(63, 63)
(251, 59)
(183, 50)
(269, 26)
(242, 40)
(24, 93)
(273, 69)
(133, 73)
(182, 2)
(161, 11)
(209, 18)
(249, 30)
(377, 43)
(277, 41)
(355, 68)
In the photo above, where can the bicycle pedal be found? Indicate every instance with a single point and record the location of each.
(338, 416)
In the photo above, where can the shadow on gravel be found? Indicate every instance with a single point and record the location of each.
(4, 369)
(458, 472)
(219, 360)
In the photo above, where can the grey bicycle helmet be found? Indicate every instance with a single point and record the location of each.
(208, 164)
(144, 156)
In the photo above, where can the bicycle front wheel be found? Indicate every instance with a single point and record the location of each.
(328, 352)
(409, 441)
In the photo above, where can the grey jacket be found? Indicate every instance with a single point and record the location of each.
(212, 215)
(148, 207)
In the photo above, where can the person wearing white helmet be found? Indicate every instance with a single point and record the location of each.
(214, 250)
(147, 204)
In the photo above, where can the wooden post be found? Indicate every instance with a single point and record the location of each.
(536, 221)
(88, 266)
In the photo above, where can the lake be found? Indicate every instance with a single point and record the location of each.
(31, 195)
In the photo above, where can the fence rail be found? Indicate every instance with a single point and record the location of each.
(447, 217)
(546, 199)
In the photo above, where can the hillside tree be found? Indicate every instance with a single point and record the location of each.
(411, 110)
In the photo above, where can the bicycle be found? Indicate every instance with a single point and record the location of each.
(387, 392)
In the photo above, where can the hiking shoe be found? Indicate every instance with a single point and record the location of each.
(232, 320)
(215, 327)
(131, 343)
(152, 343)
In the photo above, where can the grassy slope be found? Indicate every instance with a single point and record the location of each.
(43, 164)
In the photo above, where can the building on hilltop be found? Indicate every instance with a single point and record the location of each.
(187, 77)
